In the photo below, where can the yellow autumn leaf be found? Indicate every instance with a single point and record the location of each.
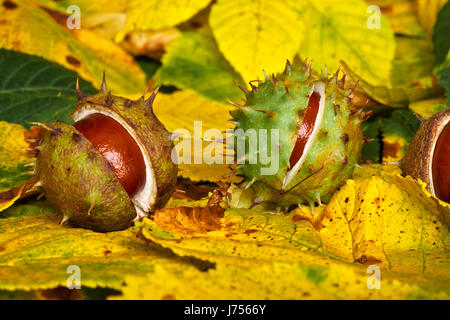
(38, 253)
(426, 108)
(80, 49)
(13, 156)
(261, 256)
(159, 14)
(427, 11)
(182, 112)
(257, 35)
(269, 281)
(86, 6)
(402, 16)
(379, 218)
(350, 32)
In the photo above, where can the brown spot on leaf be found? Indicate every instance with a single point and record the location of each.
(168, 296)
(73, 61)
(391, 149)
(8, 4)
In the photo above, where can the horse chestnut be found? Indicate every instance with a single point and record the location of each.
(428, 155)
(111, 167)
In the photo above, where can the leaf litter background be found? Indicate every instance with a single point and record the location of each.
(196, 49)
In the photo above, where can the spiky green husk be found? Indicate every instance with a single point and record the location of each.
(280, 103)
(80, 183)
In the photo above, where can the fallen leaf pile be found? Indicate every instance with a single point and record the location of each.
(381, 236)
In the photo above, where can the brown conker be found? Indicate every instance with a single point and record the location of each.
(428, 155)
(117, 146)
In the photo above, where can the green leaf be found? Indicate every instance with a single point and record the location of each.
(256, 35)
(444, 79)
(340, 32)
(398, 131)
(193, 61)
(402, 123)
(371, 150)
(81, 50)
(149, 66)
(441, 35)
(35, 90)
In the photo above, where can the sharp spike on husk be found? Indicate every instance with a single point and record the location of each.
(80, 94)
(37, 184)
(318, 199)
(152, 97)
(353, 88)
(419, 117)
(342, 81)
(268, 113)
(103, 88)
(240, 87)
(46, 126)
(254, 88)
(324, 74)
(305, 63)
(90, 209)
(336, 75)
(64, 219)
(286, 88)
(308, 69)
(240, 107)
(109, 99)
(288, 66)
(274, 81)
(250, 183)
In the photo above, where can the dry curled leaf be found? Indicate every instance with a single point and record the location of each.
(189, 220)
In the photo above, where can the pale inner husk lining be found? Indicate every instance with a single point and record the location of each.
(318, 87)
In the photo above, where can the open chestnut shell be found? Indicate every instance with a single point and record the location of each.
(428, 155)
(112, 166)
